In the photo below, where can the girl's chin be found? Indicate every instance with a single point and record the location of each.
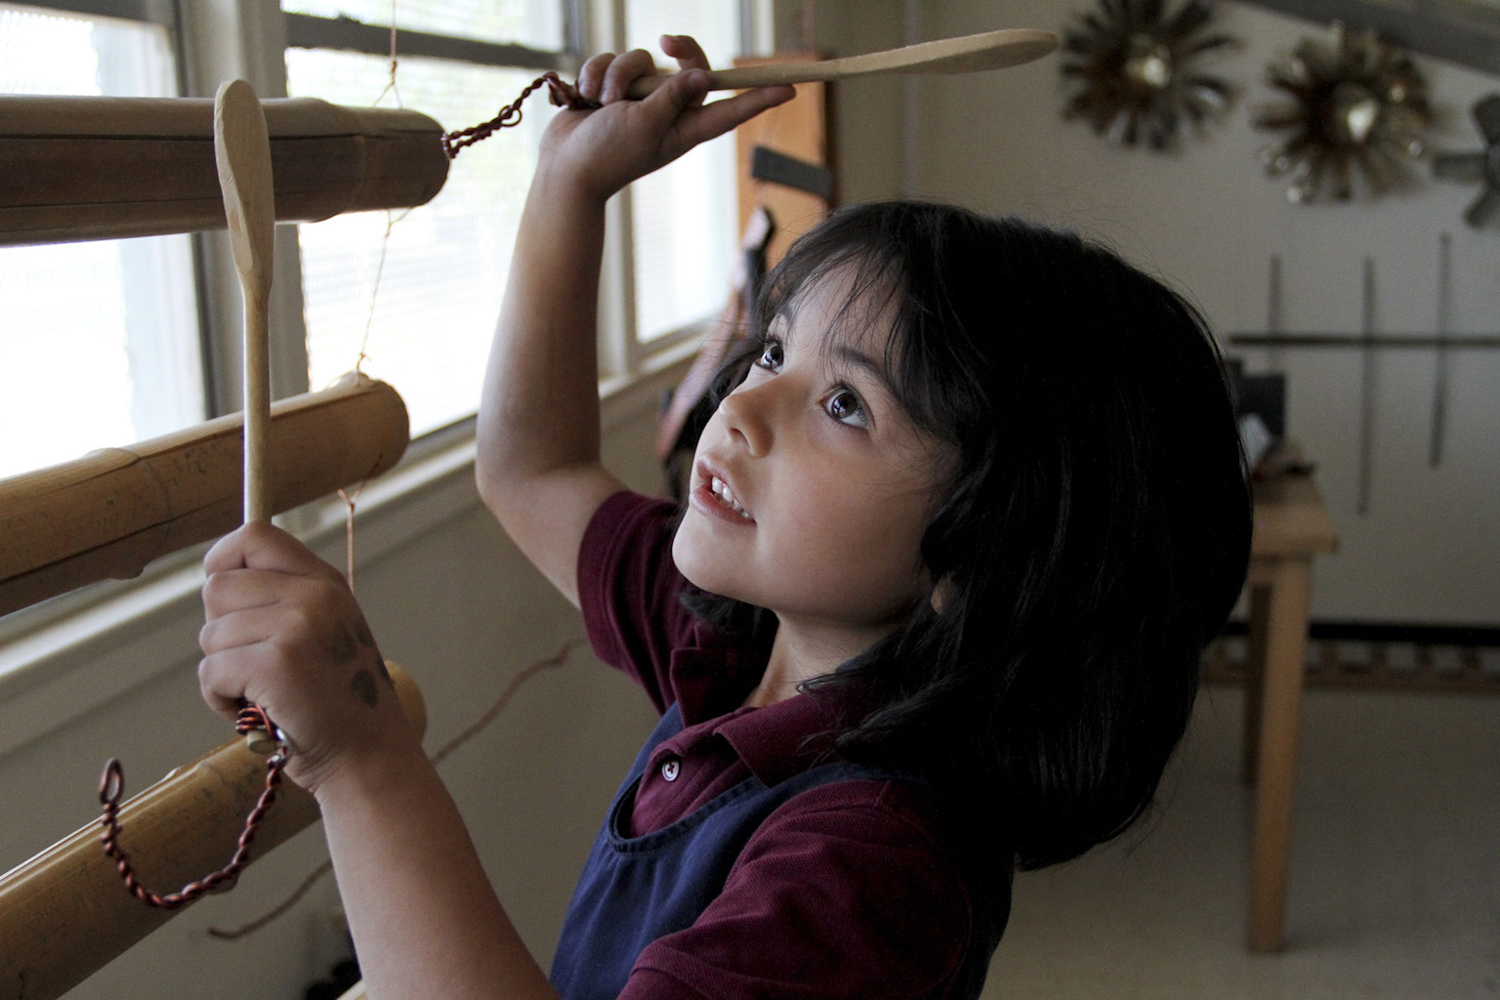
(705, 565)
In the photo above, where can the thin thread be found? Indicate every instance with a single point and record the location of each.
(349, 502)
(555, 660)
(276, 911)
(390, 87)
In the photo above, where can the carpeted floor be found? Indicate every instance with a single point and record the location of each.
(1395, 873)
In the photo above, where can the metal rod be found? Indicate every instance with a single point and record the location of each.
(1367, 390)
(1274, 309)
(1398, 341)
(1440, 361)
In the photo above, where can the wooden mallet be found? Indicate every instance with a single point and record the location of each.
(966, 54)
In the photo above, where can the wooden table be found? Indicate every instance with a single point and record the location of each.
(1291, 526)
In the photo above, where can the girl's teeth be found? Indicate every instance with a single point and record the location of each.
(722, 491)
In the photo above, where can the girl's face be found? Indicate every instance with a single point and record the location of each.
(811, 488)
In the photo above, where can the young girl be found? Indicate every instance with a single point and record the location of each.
(969, 508)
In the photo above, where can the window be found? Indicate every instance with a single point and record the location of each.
(426, 327)
(684, 217)
(98, 341)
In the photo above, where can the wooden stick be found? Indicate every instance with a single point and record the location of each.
(109, 514)
(967, 54)
(64, 914)
(162, 177)
(242, 149)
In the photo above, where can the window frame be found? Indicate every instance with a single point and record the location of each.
(215, 40)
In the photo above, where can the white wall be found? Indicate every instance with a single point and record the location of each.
(1210, 220)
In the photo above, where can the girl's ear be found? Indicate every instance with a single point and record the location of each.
(942, 594)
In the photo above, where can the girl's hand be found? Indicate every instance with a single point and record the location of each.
(282, 630)
(600, 151)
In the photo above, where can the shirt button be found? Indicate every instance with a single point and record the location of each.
(670, 768)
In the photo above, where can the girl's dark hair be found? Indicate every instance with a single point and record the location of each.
(1092, 541)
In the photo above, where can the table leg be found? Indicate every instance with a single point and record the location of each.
(1255, 677)
(1276, 759)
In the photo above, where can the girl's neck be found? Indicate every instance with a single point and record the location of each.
(803, 650)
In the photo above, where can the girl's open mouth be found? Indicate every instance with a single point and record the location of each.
(715, 496)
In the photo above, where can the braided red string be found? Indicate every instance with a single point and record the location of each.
(112, 786)
(560, 92)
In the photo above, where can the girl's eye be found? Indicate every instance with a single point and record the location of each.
(845, 407)
(770, 357)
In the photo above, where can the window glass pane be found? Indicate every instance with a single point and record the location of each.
(446, 262)
(535, 23)
(98, 340)
(684, 216)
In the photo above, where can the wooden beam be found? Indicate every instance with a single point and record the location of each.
(89, 168)
(108, 514)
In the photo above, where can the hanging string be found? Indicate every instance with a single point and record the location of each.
(112, 786)
(483, 722)
(390, 87)
(559, 91)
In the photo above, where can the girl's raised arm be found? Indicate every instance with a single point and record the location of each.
(538, 466)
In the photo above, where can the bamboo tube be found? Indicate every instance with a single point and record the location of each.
(108, 514)
(89, 168)
(65, 914)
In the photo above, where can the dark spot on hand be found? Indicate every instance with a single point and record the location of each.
(341, 647)
(364, 688)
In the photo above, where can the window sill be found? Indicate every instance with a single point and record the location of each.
(68, 656)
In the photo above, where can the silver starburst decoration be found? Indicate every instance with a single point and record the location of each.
(1139, 70)
(1357, 106)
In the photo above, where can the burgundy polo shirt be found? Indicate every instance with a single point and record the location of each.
(849, 889)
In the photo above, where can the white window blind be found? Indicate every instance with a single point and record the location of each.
(535, 23)
(445, 266)
(684, 217)
(99, 340)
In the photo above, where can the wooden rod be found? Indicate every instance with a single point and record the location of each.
(65, 913)
(110, 513)
(965, 54)
(90, 168)
(243, 155)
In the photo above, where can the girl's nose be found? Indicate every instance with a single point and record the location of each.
(746, 415)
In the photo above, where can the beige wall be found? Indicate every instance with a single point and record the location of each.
(1209, 220)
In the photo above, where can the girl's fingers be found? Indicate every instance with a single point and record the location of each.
(260, 545)
(228, 591)
(591, 76)
(222, 677)
(623, 71)
(686, 50)
(713, 120)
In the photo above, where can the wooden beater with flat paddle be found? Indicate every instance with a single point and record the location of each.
(965, 54)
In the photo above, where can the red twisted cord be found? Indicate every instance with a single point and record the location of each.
(112, 785)
(561, 93)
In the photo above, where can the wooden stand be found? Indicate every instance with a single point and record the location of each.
(1291, 526)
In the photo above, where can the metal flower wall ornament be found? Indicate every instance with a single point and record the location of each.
(1483, 166)
(1139, 72)
(1357, 105)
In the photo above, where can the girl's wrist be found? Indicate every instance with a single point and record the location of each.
(357, 769)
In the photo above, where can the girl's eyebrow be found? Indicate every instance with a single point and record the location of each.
(865, 363)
